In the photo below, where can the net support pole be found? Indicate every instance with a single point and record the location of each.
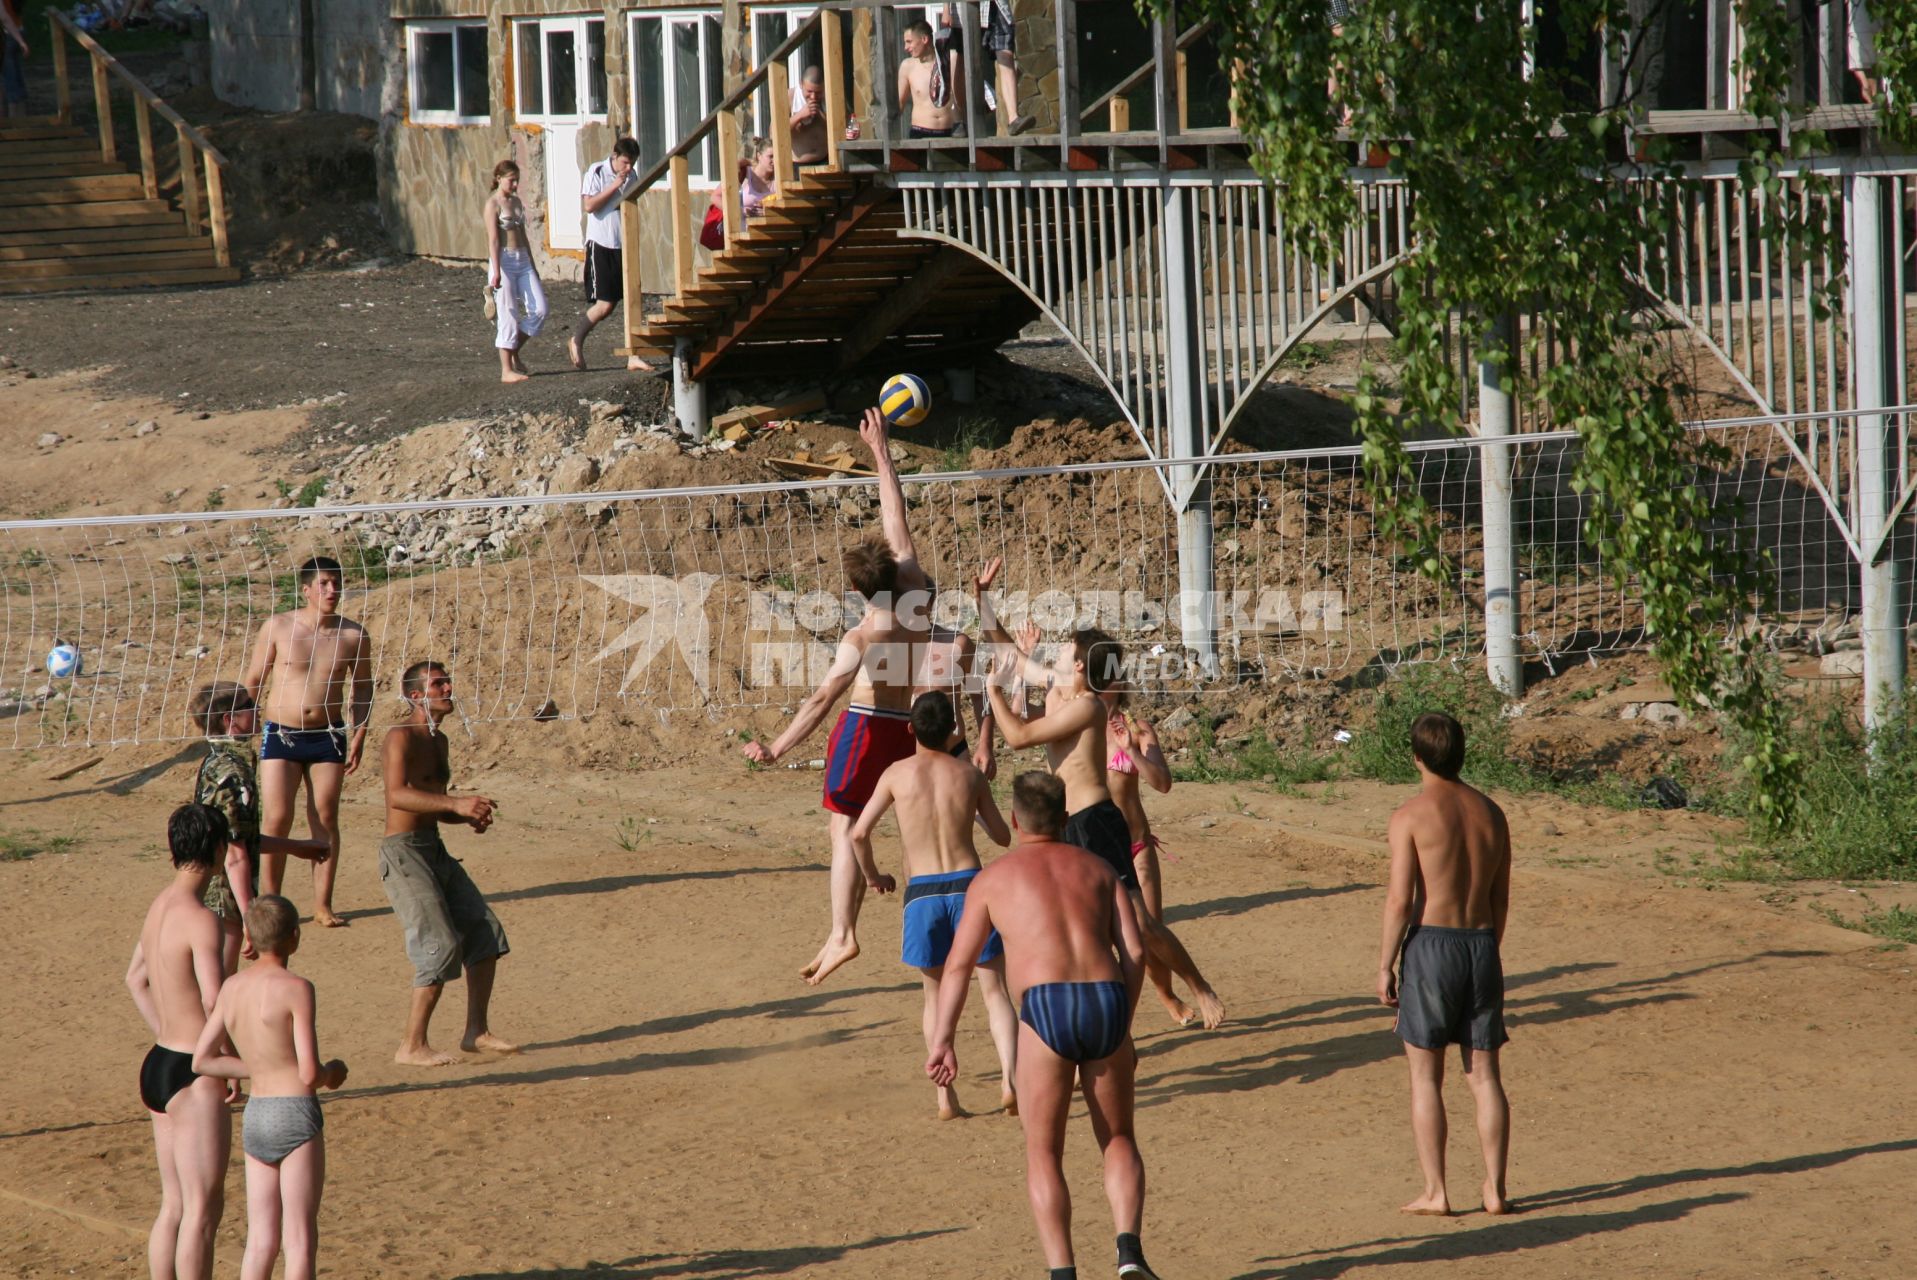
(1184, 385)
(688, 393)
(1871, 323)
(1495, 421)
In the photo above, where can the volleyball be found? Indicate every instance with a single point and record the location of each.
(63, 660)
(905, 400)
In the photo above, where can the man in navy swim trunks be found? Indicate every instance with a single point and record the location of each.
(1075, 961)
(174, 979)
(937, 797)
(1445, 907)
(321, 663)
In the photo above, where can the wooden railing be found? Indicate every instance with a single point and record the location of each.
(197, 155)
(675, 166)
(1116, 101)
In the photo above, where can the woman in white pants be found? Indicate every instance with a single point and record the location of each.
(518, 296)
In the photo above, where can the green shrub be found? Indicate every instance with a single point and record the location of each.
(1381, 749)
(1857, 798)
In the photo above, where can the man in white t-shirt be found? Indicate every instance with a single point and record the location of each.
(605, 188)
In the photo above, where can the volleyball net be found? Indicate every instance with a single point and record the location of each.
(708, 600)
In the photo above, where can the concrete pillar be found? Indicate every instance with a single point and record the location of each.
(1496, 419)
(1873, 292)
(1185, 384)
(962, 385)
(688, 394)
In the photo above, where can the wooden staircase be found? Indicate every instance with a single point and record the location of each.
(69, 220)
(822, 282)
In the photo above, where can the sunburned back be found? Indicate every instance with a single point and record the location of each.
(935, 798)
(1053, 905)
(1463, 846)
(312, 666)
(1079, 760)
(427, 768)
(259, 1017)
(166, 942)
(889, 658)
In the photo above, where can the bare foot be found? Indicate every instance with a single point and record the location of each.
(487, 1042)
(574, 354)
(1496, 1203)
(1210, 1008)
(1009, 1101)
(325, 919)
(513, 376)
(520, 364)
(1429, 1206)
(1181, 1013)
(949, 1108)
(636, 365)
(834, 955)
(425, 1056)
(813, 967)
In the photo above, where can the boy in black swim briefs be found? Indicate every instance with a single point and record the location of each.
(174, 979)
(1445, 909)
(1075, 960)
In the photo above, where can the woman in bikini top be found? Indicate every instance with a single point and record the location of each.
(1135, 757)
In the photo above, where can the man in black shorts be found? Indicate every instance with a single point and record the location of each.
(1445, 908)
(605, 188)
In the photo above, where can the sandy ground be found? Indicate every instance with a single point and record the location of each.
(1702, 1085)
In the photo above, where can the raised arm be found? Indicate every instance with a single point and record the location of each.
(991, 629)
(988, 815)
(1148, 755)
(1073, 718)
(1400, 894)
(892, 519)
(974, 926)
(868, 822)
(845, 666)
(614, 191)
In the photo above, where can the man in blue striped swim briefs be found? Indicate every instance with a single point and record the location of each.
(1075, 960)
(936, 797)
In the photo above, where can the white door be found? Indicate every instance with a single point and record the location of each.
(565, 209)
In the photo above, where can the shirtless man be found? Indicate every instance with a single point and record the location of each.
(269, 1014)
(1062, 914)
(1072, 731)
(928, 80)
(175, 980)
(448, 926)
(875, 661)
(937, 797)
(1444, 912)
(316, 658)
(944, 661)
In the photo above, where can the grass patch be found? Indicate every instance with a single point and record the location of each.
(972, 433)
(22, 846)
(1306, 355)
(1857, 799)
(1256, 759)
(1897, 924)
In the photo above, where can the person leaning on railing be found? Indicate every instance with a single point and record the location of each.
(808, 119)
(758, 179)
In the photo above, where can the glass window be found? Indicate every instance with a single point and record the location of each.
(648, 68)
(447, 73)
(530, 72)
(595, 68)
(562, 72)
(561, 68)
(678, 77)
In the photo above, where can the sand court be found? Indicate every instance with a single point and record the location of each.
(1701, 1085)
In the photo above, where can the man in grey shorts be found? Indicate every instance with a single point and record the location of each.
(1445, 909)
(448, 926)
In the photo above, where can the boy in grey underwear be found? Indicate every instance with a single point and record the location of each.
(1445, 908)
(267, 1012)
(448, 926)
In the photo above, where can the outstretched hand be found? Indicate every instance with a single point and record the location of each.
(942, 1066)
(988, 574)
(1028, 637)
(876, 435)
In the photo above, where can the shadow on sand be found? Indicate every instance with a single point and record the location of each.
(725, 1264)
(606, 884)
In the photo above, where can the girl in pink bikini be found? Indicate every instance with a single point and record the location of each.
(1135, 757)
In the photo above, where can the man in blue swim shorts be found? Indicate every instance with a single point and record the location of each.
(1075, 960)
(937, 796)
(321, 664)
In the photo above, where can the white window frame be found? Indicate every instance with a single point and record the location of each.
(710, 42)
(795, 16)
(577, 22)
(414, 66)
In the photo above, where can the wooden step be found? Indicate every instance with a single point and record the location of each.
(131, 280)
(34, 151)
(53, 191)
(56, 168)
(115, 265)
(53, 249)
(100, 213)
(173, 225)
(40, 131)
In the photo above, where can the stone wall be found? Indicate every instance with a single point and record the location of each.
(255, 53)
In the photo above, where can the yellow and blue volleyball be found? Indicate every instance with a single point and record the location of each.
(905, 400)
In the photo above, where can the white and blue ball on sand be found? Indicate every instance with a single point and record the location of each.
(63, 660)
(905, 400)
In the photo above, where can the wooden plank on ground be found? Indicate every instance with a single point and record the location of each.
(757, 415)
